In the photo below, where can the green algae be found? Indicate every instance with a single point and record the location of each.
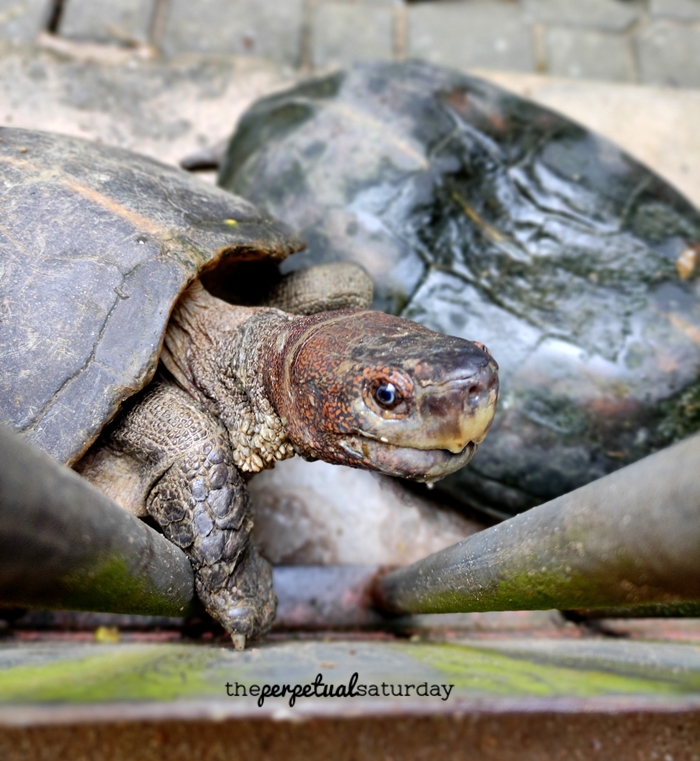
(169, 672)
(542, 588)
(110, 584)
(488, 671)
(105, 584)
(681, 414)
(140, 672)
(555, 587)
(534, 588)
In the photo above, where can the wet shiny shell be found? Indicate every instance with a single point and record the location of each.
(96, 244)
(485, 216)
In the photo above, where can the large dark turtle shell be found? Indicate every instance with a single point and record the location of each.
(485, 216)
(96, 244)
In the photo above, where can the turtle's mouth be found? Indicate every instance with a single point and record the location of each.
(424, 465)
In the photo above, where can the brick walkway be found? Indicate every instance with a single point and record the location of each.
(639, 41)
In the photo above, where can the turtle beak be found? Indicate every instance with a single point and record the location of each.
(458, 407)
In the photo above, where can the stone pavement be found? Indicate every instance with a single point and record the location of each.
(637, 41)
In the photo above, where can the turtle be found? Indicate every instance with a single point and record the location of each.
(118, 359)
(478, 212)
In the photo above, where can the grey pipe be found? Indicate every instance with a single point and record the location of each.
(63, 544)
(630, 538)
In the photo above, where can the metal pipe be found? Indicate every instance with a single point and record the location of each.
(630, 538)
(63, 544)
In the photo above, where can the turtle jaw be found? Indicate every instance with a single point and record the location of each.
(422, 465)
(451, 407)
(445, 440)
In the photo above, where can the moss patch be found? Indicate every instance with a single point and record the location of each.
(134, 673)
(484, 671)
(681, 414)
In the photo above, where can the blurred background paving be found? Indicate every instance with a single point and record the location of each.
(173, 76)
(653, 42)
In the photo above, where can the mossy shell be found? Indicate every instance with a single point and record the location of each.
(96, 245)
(483, 215)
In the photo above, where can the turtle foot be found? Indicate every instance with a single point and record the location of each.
(245, 603)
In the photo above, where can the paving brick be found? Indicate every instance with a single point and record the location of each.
(343, 33)
(681, 10)
(669, 54)
(471, 34)
(267, 28)
(607, 15)
(22, 20)
(107, 20)
(588, 54)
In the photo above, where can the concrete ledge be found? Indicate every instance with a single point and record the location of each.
(511, 737)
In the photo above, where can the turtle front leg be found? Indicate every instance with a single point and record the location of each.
(201, 503)
(181, 457)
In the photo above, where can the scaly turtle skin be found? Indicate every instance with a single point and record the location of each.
(101, 251)
(479, 213)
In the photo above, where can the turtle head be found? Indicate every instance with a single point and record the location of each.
(365, 389)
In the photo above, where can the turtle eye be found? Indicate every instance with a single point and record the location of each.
(387, 395)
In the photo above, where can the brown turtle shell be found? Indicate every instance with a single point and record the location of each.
(96, 245)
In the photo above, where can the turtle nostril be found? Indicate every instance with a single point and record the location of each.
(474, 390)
(493, 384)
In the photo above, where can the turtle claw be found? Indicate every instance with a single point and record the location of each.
(238, 641)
